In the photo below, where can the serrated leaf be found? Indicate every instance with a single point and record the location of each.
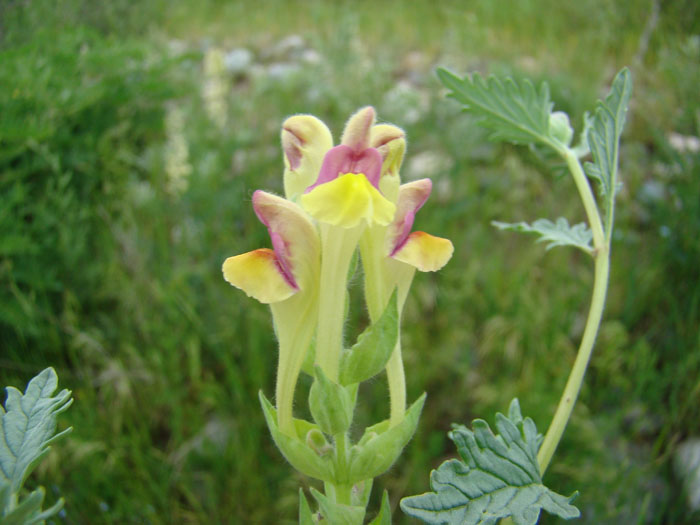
(27, 426)
(384, 516)
(604, 141)
(369, 355)
(498, 477)
(554, 233)
(513, 110)
(337, 513)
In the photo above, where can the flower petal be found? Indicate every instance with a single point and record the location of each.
(412, 196)
(305, 141)
(357, 130)
(258, 274)
(390, 141)
(343, 159)
(424, 251)
(347, 200)
(294, 237)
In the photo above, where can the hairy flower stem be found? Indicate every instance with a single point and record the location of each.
(595, 314)
(294, 321)
(338, 247)
(377, 295)
(341, 493)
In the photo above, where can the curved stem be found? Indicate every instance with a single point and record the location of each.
(589, 204)
(573, 385)
(601, 254)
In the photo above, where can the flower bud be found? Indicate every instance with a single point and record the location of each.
(560, 128)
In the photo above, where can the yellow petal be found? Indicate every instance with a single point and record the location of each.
(305, 141)
(424, 251)
(347, 200)
(258, 275)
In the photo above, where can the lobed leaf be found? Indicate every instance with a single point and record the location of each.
(557, 233)
(27, 426)
(498, 477)
(603, 139)
(513, 110)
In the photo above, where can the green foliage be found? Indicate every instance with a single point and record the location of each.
(554, 233)
(369, 355)
(513, 110)
(604, 141)
(27, 427)
(498, 477)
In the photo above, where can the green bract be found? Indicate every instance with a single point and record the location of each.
(497, 477)
(373, 349)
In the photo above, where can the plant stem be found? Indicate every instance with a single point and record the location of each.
(601, 254)
(342, 493)
(573, 385)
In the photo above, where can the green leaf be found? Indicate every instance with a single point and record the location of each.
(498, 477)
(305, 516)
(381, 445)
(29, 512)
(513, 110)
(554, 233)
(604, 141)
(337, 513)
(369, 355)
(27, 426)
(299, 454)
(384, 516)
(331, 404)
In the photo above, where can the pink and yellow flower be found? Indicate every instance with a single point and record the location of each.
(273, 275)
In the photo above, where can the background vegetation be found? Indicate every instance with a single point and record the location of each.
(128, 155)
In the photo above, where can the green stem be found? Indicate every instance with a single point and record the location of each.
(379, 285)
(342, 493)
(589, 204)
(601, 254)
(573, 385)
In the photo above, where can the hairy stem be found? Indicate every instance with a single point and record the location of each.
(595, 314)
(573, 385)
(338, 247)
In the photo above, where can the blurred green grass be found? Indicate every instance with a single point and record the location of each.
(113, 277)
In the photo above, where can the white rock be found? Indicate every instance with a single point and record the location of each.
(686, 462)
(238, 60)
(684, 143)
